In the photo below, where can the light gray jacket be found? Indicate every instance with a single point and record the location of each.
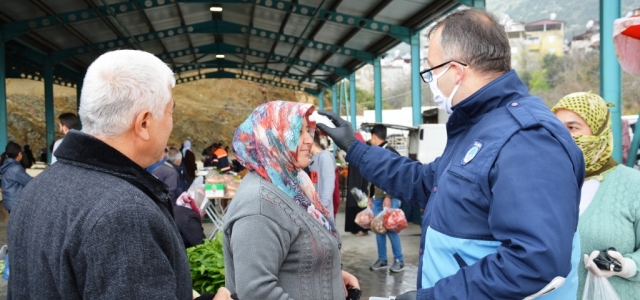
(273, 249)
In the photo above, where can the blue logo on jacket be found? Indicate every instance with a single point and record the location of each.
(473, 151)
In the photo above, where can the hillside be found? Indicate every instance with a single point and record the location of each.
(575, 12)
(206, 111)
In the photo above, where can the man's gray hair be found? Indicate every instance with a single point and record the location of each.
(174, 156)
(475, 37)
(118, 86)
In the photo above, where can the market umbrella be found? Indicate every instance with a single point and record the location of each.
(626, 39)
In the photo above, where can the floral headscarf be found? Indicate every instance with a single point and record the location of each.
(267, 143)
(596, 148)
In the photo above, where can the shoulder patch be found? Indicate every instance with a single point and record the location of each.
(472, 152)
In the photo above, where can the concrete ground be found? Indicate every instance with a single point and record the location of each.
(358, 253)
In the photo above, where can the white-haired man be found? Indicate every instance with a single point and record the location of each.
(96, 225)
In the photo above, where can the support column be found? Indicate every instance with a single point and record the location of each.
(352, 99)
(321, 100)
(78, 94)
(416, 97)
(48, 105)
(635, 145)
(334, 99)
(4, 135)
(610, 76)
(377, 88)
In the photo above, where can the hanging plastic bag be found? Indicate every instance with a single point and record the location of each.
(5, 272)
(360, 196)
(363, 218)
(598, 288)
(394, 220)
(197, 193)
(377, 224)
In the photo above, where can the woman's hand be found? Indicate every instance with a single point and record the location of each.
(349, 281)
(222, 294)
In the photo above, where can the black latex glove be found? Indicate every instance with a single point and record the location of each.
(408, 296)
(342, 135)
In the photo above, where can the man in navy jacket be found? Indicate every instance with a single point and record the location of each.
(501, 203)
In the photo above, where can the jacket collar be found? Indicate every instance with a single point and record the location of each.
(88, 152)
(497, 93)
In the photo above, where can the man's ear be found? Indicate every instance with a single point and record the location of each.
(460, 72)
(142, 124)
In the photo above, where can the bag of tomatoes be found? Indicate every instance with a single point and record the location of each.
(394, 220)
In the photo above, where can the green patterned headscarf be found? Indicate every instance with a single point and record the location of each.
(596, 148)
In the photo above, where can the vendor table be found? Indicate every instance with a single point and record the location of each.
(216, 212)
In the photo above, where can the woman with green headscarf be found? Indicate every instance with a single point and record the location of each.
(610, 200)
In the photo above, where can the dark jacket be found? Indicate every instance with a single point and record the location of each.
(189, 225)
(181, 176)
(189, 163)
(501, 202)
(14, 178)
(95, 225)
(27, 158)
(165, 171)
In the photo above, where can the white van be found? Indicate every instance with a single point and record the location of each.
(423, 143)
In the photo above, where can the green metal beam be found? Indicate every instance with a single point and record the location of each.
(4, 134)
(334, 99)
(222, 27)
(223, 63)
(610, 74)
(48, 106)
(399, 32)
(230, 75)
(229, 27)
(230, 49)
(19, 28)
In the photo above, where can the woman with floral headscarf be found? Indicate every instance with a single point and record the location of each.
(610, 200)
(280, 242)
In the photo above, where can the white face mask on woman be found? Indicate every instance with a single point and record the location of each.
(442, 101)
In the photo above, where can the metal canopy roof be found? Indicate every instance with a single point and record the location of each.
(300, 44)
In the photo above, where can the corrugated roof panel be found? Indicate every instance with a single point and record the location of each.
(194, 13)
(26, 10)
(202, 39)
(94, 30)
(338, 60)
(363, 40)
(331, 33)
(176, 42)
(163, 18)
(401, 10)
(133, 23)
(64, 6)
(268, 19)
(60, 37)
(240, 14)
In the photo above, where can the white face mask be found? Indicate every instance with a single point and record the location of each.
(442, 101)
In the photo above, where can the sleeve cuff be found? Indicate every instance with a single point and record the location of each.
(425, 294)
(632, 268)
(356, 152)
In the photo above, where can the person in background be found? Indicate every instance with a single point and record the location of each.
(66, 122)
(14, 178)
(382, 200)
(175, 159)
(610, 198)
(27, 158)
(279, 241)
(189, 162)
(188, 221)
(501, 203)
(96, 224)
(355, 180)
(221, 159)
(165, 172)
(322, 170)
